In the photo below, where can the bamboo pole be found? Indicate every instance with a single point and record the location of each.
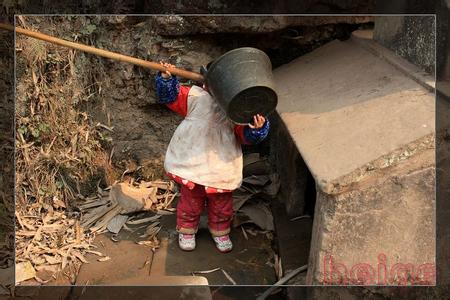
(104, 53)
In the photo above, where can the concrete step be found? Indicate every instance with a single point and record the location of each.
(163, 281)
(140, 292)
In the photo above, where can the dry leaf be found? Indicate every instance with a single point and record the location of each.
(94, 252)
(57, 203)
(106, 258)
(52, 259)
(80, 256)
(65, 258)
(164, 212)
(144, 220)
(24, 271)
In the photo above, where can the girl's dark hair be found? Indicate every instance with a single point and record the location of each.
(204, 69)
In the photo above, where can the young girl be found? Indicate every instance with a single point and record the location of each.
(205, 157)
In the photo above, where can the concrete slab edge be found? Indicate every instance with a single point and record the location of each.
(403, 156)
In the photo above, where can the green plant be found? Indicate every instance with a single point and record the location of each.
(88, 29)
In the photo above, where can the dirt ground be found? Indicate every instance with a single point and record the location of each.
(250, 262)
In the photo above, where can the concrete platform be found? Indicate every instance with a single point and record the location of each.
(345, 107)
(164, 281)
(139, 292)
(363, 121)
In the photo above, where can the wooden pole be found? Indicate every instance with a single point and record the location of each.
(104, 53)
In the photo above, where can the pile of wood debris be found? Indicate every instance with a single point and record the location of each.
(48, 240)
(111, 209)
(56, 148)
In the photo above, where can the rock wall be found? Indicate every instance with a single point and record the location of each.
(188, 25)
(191, 6)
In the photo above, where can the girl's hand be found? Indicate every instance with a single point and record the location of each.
(166, 74)
(258, 122)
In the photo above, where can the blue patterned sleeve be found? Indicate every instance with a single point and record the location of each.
(167, 89)
(255, 136)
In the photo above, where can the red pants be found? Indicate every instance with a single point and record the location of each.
(191, 205)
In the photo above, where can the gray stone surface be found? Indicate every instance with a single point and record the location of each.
(365, 39)
(346, 107)
(412, 37)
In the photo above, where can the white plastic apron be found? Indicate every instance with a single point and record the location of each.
(204, 148)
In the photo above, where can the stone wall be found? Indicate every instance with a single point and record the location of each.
(413, 38)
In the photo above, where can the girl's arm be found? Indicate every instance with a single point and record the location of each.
(170, 92)
(251, 136)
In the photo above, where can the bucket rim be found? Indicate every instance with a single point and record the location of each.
(269, 111)
(216, 61)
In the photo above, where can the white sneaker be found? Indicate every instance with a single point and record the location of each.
(223, 243)
(186, 241)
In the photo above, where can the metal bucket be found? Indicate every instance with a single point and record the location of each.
(241, 81)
